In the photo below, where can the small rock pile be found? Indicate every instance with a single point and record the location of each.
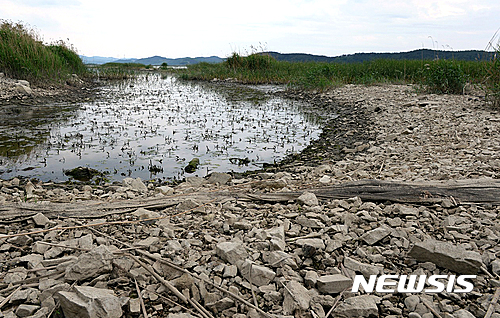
(21, 92)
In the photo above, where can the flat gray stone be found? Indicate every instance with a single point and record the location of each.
(296, 296)
(447, 255)
(232, 252)
(365, 269)
(333, 284)
(40, 219)
(462, 313)
(358, 306)
(314, 242)
(219, 177)
(90, 302)
(258, 275)
(90, 264)
(142, 213)
(375, 235)
(308, 198)
(135, 184)
(25, 310)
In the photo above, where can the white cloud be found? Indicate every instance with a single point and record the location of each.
(195, 28)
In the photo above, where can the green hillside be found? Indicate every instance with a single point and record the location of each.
(422, 54)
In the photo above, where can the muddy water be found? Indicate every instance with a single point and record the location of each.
(151, 127)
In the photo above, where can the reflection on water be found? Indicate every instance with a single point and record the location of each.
(151, 127)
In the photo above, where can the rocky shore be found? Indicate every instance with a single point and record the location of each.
(211, 247)
(21, 92)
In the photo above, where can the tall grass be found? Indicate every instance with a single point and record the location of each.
(24, 56)
(440, 76)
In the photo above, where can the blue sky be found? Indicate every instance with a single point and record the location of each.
(204, 28)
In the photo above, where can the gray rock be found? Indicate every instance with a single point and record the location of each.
(33, 260)
(333, 284)
(135, 184)
(165, 190)
(230, 271)
(25, 310)
(495, 266)
(314, 242)
(296, 296)
(23, 90)
(14, 275)
(232, 252)
(142, 213)
(149, 241)
(220, 178)
(90, 264)
(411, 302)
(24, 83)
(375, 235)
(21, 240)
(308, 222)
(447, 255)
(28, 295)
(90, 302)
(134, 306)
(462, 313)
(365, 269)
(358, 306)
(40, 219)
(257, 274)
(180, 315)
(195, 181)
(188, 204)
(308, 198)
(310, 279)
(278, 259)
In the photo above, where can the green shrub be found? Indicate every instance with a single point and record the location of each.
(252, 62)
(444, 77)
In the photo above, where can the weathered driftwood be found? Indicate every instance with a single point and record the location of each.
(479, 191)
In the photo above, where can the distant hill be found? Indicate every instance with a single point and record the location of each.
(159, 60)
(425, 54)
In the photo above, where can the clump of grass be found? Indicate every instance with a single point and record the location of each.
(492, 80)
(444, 77)
(24, 56)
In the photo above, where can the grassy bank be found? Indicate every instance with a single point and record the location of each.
(24, 56)
(439, 76)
